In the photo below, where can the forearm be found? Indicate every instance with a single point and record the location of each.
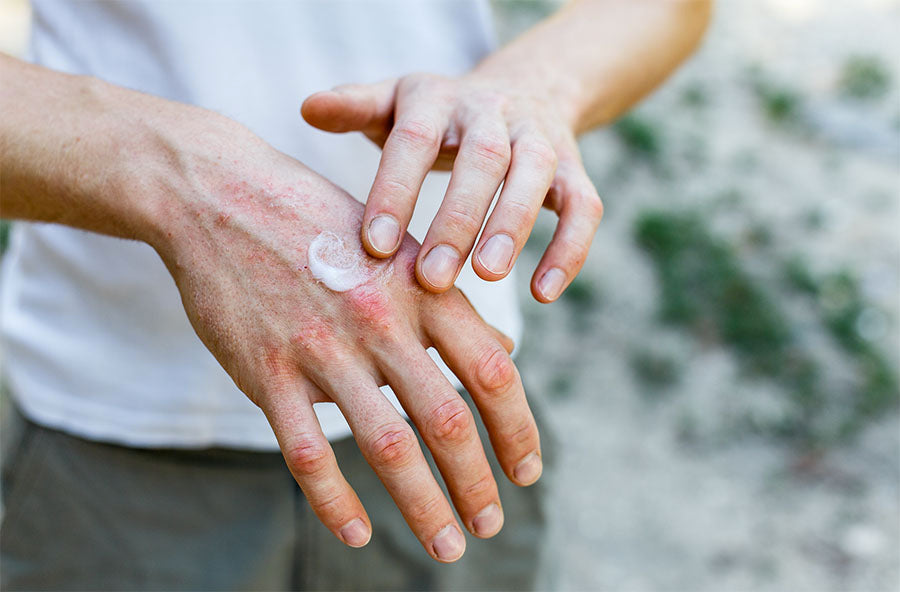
(78, 151)
(594, 59)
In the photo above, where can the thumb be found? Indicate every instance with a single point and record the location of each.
(351, 107)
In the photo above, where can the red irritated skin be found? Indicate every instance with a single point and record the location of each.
(232, 218)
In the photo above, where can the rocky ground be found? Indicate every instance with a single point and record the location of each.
(723, 376)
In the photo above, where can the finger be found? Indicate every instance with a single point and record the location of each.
(312, 463)
(351, 107)
(389, 445)
(409, 152)
(505, 340)
(488, 373)
(530, 174)
(479, 169)
(580, 210)
(448, 429)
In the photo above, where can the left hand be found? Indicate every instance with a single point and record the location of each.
(487, 134)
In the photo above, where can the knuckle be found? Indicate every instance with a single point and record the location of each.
(594, 207)
(492, 102)
(330, 504)
(492, 152)
(308, 455)
(485, 486)
(461, 218)
(519, 215)
(589, 205)
(393, 445)
(522, 434)
(376, 313)
(538, 152)
(314, 342)
(495, 371)
(370, 303)
(575, 252)
(425, 510)
(418, 133)
(393, 187)
(278, 365)
(313, 335)
(451, 422)
(271, 376)
(500, 101)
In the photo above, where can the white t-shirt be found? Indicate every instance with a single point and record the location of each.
(96, 341)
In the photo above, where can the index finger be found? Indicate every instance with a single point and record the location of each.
(485, 368)
(409, 153)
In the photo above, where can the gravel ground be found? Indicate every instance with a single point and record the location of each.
(662, 489)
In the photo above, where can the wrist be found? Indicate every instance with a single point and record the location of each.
(172, 168)
(141, 161)
(85, 153)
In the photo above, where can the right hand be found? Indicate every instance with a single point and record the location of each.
(236, 229)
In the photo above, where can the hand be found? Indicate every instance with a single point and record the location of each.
(233, 220)
(236, 242)
(488, 133)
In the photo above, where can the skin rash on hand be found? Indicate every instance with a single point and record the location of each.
(336, 265)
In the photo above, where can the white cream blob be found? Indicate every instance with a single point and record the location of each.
(335, 264)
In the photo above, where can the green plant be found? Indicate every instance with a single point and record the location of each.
(582, 294)
(561, 385)
(704, 288)
(839, 302)
(640, 136)
(655, 370)
(5, 229)
(781, 104)
(864, 77)
(695, 95)
(814, 219)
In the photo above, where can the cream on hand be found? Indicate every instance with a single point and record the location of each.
(335, 264)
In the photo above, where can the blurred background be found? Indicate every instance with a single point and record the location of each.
(723, 376)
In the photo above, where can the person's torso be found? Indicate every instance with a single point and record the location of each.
(95, 339)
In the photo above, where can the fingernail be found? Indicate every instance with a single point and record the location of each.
(529, 469)
(355, 533)
(496, 254)
(440, 265)
(551, 283)
(449, 544)
(384, 233)
(488, 521)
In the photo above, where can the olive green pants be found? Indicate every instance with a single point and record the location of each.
(82, 515)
